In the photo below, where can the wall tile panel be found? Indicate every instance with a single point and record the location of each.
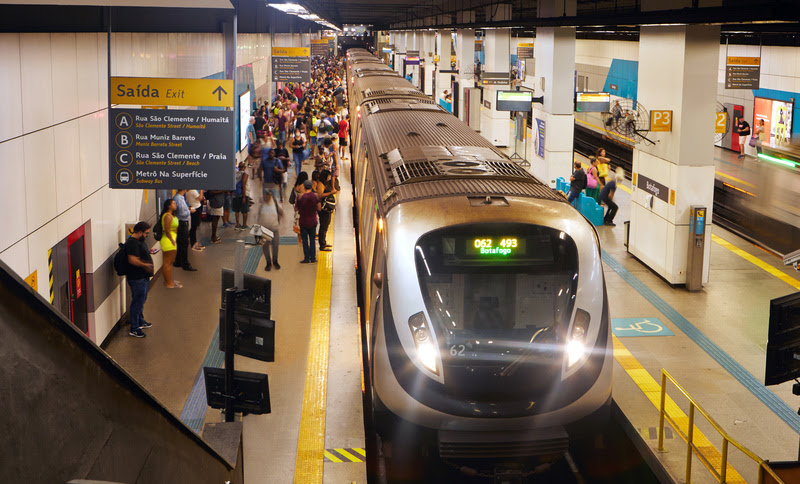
(13, 218)
(40, 178)
(88, 66)
(64, 76)
(67, 162)
(37, 92)
(10, 86)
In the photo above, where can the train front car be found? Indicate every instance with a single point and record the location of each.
(484, 293)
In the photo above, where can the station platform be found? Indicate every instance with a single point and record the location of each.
(712, 342)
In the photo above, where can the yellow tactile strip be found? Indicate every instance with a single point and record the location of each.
(756, 261)
(311, 441)
(652, 390)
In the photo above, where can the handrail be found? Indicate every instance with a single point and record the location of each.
(690, 446)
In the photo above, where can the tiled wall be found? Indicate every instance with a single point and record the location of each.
(54, 143)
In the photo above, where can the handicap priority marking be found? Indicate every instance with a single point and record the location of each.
(623, 327)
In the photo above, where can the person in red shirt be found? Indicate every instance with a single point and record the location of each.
(344, 127)
(307, 206)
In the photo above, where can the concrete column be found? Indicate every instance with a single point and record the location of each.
(400, 52)
(677, 72)
(426, 53)
(413, 41)
(465, 63)
(555, 70)
(495, 125)
(443, 38)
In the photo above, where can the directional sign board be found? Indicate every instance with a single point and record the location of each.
(742, 72)
(639, 327)
(291, 64)
(171, 149)
(319, 47)
(171, 92)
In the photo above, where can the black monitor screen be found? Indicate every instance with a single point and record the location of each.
(783, 344)
(251, 390)
(515, 101)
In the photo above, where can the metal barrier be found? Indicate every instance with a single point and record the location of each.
(690, 446)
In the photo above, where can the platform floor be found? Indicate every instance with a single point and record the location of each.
(315, 432)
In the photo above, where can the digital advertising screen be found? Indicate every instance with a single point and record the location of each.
(777, 117)
(592, 102)
(244, 118)
(514, 101)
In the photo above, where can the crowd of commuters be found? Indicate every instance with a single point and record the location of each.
(299, 137)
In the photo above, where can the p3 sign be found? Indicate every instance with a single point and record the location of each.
(661, 121)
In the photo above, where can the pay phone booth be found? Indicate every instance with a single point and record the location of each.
(694, 262)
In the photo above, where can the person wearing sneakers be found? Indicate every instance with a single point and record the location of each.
(607, 198)
(169, 245)
(140, 270)
(270, 214)
(307, 207)
(194, 198)
(344, 128)
(240, 205)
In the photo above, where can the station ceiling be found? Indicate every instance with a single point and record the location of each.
(772, 22)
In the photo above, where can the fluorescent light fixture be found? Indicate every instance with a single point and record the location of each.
(300, 11)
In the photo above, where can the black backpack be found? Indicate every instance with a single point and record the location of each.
(121, 261)
(158, 228)
(334, 125)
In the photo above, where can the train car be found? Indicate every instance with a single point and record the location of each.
(481, 290)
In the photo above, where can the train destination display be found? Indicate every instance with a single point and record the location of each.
(171, 149)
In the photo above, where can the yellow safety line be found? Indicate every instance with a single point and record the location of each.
(652, 390)
(311, 441)
(348, 455)
(331, 457)
(360, 451)
(756, 261)
(736, 179)
(611, 133)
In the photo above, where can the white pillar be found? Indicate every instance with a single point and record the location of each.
(400, 53)
(496, 125)
(413, 44)
(465, 63)
(426, 52)
(677, 72)
(443, 39)
(555, 69)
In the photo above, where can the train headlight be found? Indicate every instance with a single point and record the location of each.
(576, 346)
(426, 349)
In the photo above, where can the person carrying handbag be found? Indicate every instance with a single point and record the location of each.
(592, 179)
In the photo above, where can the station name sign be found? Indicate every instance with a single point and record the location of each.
(171, 149)
(171, 92)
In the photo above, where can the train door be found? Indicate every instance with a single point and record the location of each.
(76, 262)
(456, 95)
(375, 282)
(422, 78)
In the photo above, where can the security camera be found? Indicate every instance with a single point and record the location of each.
(792, 258)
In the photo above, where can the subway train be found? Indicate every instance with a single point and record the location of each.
(482, 299)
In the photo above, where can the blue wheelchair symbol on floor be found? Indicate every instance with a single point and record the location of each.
(626, 327)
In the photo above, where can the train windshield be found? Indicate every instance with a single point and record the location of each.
(489, 288)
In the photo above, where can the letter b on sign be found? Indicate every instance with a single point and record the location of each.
(661, 121)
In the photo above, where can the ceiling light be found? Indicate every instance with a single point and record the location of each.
(300, 11)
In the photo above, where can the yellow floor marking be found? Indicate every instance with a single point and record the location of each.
(736, 179)
(348, 455)
(652, 390)
(332, 457)
(756, 261)
(360, 451)
(311, 442)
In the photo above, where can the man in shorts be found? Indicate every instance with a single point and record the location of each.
(344, 127)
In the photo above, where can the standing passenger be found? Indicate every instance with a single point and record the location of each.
(169, 230)
(194, 198)
(270, 214)
(184, 215)
(140, 269)
(325, 189)
(607, 197)
(307, 206)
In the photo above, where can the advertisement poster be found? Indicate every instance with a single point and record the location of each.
(540, 130)
(777, 117)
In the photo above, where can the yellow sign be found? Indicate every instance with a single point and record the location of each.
(452, 59)
(744, 61)
(661, 121)
(162, 91)
(525, 44)
(436, 58)
(722, 122)
(291, 51)
(320, 41)
(33, 281)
